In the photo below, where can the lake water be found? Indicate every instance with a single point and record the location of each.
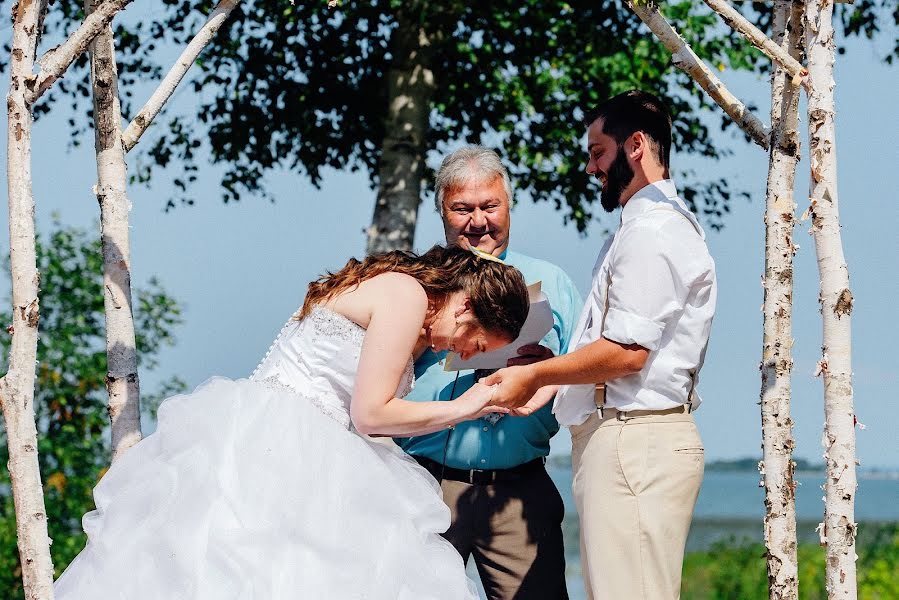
(731, 506)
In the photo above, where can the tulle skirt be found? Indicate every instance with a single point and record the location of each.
(247, 491)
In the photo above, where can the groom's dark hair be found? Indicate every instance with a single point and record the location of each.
(633, 111)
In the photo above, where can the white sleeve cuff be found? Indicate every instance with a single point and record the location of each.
(628, 328)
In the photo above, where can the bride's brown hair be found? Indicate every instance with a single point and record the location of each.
(499, 296)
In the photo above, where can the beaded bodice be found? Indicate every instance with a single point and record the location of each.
(317, 358)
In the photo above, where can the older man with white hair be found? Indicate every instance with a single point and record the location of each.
(506, 511)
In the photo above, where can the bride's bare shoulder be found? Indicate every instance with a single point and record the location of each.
(398, 286)
(395, 291)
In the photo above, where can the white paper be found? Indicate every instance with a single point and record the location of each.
(537, 325)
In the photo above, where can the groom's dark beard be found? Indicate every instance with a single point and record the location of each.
(618, 177)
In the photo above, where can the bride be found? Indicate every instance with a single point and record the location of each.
(269, 488)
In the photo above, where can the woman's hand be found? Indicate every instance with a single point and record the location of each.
(478, 400)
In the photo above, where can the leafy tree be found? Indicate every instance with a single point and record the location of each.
(374, 85)
(70, 399)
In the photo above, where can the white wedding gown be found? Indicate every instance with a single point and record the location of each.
(259, 489)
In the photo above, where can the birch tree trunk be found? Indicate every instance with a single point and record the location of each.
(777, 362)
(17, 386)
(122, 381)
(838, 529)
(410, 85)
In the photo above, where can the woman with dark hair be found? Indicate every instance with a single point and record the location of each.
(269, 488)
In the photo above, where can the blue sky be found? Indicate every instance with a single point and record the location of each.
(241, 270)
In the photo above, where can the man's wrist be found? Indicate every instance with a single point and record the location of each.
(539, 374)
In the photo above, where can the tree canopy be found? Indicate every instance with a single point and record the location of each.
(302, 86)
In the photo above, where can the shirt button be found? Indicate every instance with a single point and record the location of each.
(483, 460)
(486, 429)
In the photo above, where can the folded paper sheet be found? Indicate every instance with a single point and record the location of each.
(537, 325)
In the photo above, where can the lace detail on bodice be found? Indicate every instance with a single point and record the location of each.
(317, 358)
(337, 413)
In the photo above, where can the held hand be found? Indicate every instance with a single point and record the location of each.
(526, 410)
(480, 399)
(516, 386)
(537, 401)
(529, 354)
(490, 409)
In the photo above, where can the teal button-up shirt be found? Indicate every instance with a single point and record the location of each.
(511, 441)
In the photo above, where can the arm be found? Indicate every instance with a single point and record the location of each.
(397, 311)
(601, 361)
(647, 288)
(567, 303)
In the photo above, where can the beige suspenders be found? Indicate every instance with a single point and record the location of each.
(599, 396)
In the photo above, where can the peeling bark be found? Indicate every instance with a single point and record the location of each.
(17, 386)
(771, 48)
(402, 167)
(54, 63)
(777, 361)
(836, 304)
(122, 382)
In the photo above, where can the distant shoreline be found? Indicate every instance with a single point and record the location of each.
(751, 465)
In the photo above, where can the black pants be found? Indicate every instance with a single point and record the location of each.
(514, 532)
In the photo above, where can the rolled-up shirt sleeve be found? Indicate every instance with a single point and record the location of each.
(645, 287)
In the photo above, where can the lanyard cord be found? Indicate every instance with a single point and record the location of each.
(449, 431)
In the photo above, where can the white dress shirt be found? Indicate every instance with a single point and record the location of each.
(659, 279)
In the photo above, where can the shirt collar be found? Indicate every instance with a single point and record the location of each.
(653, 196)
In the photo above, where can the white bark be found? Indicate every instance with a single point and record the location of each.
(17, 386)
(839, 525)
(777, 361)
(757, 38)
(402, 166)
(166, 88)
(122, 380)
(687, 61)
(56, 61)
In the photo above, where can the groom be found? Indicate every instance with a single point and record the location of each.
(506, 511)
(636, 454)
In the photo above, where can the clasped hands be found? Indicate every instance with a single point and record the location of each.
(517, 390)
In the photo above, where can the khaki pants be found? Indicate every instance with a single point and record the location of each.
(514, 532)
(635, 485)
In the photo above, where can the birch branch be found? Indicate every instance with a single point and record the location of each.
(687, 61)
(757, 38)
(55, 61)
(166, 88)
